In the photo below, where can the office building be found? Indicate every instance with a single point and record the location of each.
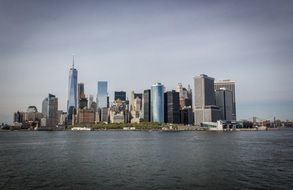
(90, 101)
(121, 95)
(102, 95)
(185, 96)
(52, 113)
(80, 91)
(224, 100)
(45, 107)
(72, 93)
(32, 114)
(147, 105)
(136, 110)
(186, 116)
(157, 103)
(86, 116)
(18, 117)
(228, 85)
(135, 107)
(205, 109)
(104, 112)
(172, 107)
(82, 100)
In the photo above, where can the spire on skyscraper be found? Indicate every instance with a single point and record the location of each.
(73, 61)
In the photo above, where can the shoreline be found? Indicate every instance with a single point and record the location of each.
(155, 130)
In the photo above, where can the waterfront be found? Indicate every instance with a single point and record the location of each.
(146, 160)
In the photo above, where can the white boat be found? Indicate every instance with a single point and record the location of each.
(80, 129)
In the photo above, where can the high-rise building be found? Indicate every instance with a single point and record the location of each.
(185, 100)
(52, 116)
(45, 107)
(82, 100)
(229, 85)
(91, 100)
(72, 93)
(19, 117)
(147, 105)
(133, 96)
(186, 116)
(102, 94)
(185, 96)
(80, 91)
(135, 107)
(205, 109)
(157, 103)
(224, 100)
(121, 95)
(172, 107)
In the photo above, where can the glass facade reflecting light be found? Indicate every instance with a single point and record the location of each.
(157, 103)
(72, 93)
(102, 94)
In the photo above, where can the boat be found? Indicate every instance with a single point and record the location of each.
(81, 129)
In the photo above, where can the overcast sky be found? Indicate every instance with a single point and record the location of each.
(133, 44)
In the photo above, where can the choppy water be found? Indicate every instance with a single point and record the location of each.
(146, 160)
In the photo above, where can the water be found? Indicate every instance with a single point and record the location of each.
(146, 160)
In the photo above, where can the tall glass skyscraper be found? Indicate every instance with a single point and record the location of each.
(102, 94)
(157, 103)
(72, 93)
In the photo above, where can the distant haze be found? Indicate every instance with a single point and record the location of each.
(132, 44)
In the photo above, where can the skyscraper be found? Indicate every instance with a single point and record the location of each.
(102, 94)
(80, 91)
(91, 100)
(82, 100)
(157, 103)
(147, 105)
(52, 117)
(229, 85)
(224, 101)
(172, 107)
(72, 93)
(205, 108)
(121, 95)
(45, 107)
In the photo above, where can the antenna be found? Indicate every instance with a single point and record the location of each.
(73, 61)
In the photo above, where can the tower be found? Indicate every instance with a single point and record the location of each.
(172, 107)
(205, 109)
(102, 94)
(147, 105)
(157, 103)
(225, 103)
(72, 93)
(52, 111)
(228, 85)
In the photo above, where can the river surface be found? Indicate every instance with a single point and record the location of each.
(146, 160)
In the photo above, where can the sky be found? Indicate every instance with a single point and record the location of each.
(134, 43)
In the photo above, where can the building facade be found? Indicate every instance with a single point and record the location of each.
(205, 109)
(157, 103)
(224, 100)
(172, 107)
(229, 85)
(52, 117)
(121, 95)
(72, 93)
(102, 94)
(147, 105)
(82, 100)
(86, 116)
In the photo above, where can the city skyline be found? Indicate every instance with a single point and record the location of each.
(140, 43)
